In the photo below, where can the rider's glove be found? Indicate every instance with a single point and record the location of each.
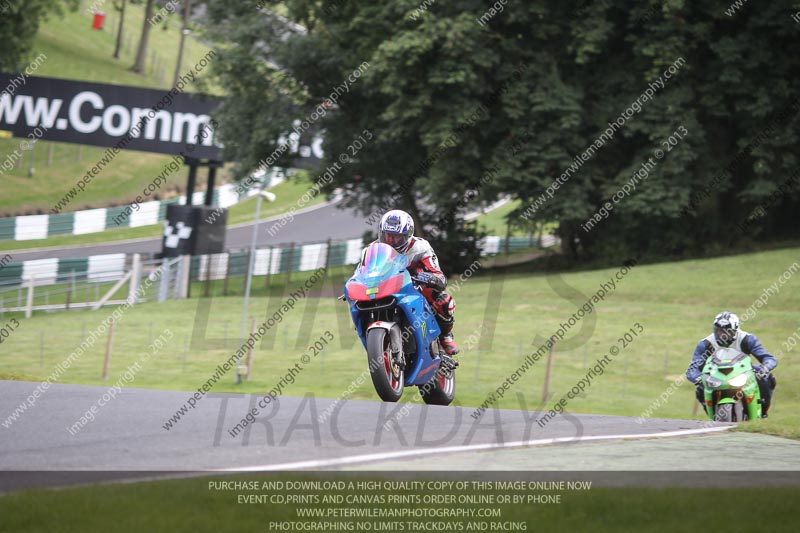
(424, 278)
(429, 280)
(761, 371)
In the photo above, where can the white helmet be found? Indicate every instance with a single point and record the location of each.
(726, 326)
(396, 229)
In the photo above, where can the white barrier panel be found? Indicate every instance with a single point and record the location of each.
(227, 195)
(90, 221)
(197, 198)
(549, 240)
(490, 245)
(109, 267)
(146, 215)
(312, 256)
(275, 261)
(353, 254)
(266, 260)
(218, 268)
(44, 271)
(31, 227)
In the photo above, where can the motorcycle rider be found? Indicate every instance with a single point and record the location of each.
(728, 335)
(397, 230)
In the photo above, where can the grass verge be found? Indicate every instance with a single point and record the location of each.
(674, 303)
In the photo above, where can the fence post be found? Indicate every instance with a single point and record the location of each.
(269, 266)
(227, 276)
(250, 352)
(163, 287)
(207, 289)
(133, 286)
(327, 255)
(289, 264)
(508, 237)
(29, 304)
(246, 270)
(185, 276)
(109, 347)
(546, 392)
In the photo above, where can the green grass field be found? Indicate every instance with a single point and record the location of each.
(73, 50)
(495, 222)
(76, 51)
(674, 303)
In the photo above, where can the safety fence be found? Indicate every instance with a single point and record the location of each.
(31, 227)
(74, 283)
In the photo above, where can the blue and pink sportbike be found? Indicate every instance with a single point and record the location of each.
(398, 329)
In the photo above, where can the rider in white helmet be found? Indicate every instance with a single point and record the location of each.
(397, 230)
(728, 335)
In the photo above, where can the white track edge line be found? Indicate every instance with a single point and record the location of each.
(373, 457)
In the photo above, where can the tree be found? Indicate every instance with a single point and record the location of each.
(526, 95)
(19, 23)
(187, 9)
(120, 28)
(141, 52)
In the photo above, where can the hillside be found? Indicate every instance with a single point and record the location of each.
(73, 50)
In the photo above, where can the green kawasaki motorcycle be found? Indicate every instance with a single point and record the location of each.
(731, 389)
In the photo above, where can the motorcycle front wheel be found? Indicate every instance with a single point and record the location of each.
(729, 412)
(387, 377)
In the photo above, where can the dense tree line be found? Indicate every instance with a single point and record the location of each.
(573, 101)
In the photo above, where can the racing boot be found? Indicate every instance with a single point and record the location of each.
(448, 342)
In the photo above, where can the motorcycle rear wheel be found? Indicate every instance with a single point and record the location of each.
(441, 390)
